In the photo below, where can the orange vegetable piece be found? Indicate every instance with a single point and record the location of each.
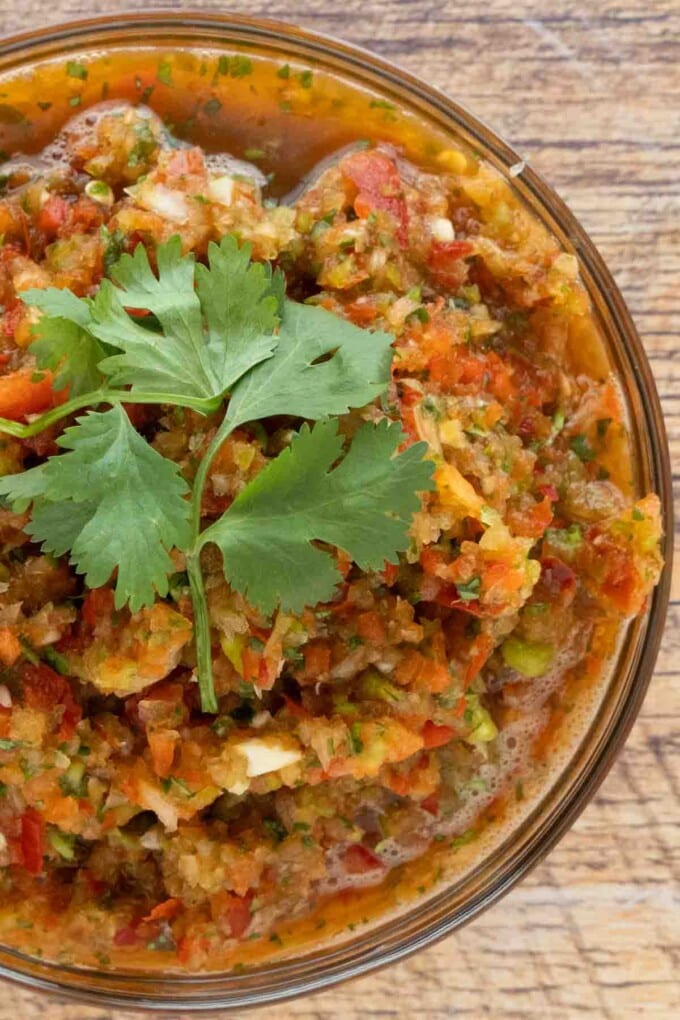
(26, 392)
(10, 648)
(162, 745)
(371, 627)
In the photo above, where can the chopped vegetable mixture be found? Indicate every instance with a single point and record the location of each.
(310, 511)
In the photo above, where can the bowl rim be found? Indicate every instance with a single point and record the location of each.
(212, 992)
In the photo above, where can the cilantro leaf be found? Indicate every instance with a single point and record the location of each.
(363, 505)
(62, 341)
(236, 297)
(23, 488)
(113, 501)
(241, 301)
(71, 353)
(62, 304)
(294, 381)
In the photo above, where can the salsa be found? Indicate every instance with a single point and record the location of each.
(415, 529)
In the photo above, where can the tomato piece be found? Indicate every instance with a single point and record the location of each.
(46, 690)
(299, 711)
(97, 605)
(371, 628)
(390, 573)
(621, 584)
(431, 804)
(26, 392)
(231, 912)
(317, 658)
(358, 859)
(436, 736)
(53, 215)
(444, 262)
(432, 560)
(32, 841)
(379, 187)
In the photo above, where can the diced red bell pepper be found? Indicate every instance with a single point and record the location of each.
(431, 804)
(436, 736)
(32, 841)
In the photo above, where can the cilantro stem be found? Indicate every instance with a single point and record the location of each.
(223, 432)
(103, 396)
(201, 619)
(202, 634)
(15, 428)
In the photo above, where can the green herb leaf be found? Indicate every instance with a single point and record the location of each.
(363, 505)
(295, 381)
(164, 73)
(238, 299)
(582, 448)
(113, 501)
(76, 70)
(468, 591)
(62, 341)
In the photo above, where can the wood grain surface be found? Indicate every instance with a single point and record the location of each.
(589, 92)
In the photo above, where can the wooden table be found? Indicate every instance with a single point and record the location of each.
(589, 92)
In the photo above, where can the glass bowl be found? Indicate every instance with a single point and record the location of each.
(485, 872)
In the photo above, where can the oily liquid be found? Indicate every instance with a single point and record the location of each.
(286, 119)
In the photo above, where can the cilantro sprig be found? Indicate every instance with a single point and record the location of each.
(204, 337)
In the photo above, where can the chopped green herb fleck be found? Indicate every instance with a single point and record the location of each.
(356, 744)
(76, 70)
(468, 591)
(582, 448)
(164, 72)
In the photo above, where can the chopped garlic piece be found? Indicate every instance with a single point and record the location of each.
(264, 757)
(442, 229)
(221, 190)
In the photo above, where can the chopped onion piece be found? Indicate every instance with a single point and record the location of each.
(221, 190)
(442, 229)
(263, 757)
